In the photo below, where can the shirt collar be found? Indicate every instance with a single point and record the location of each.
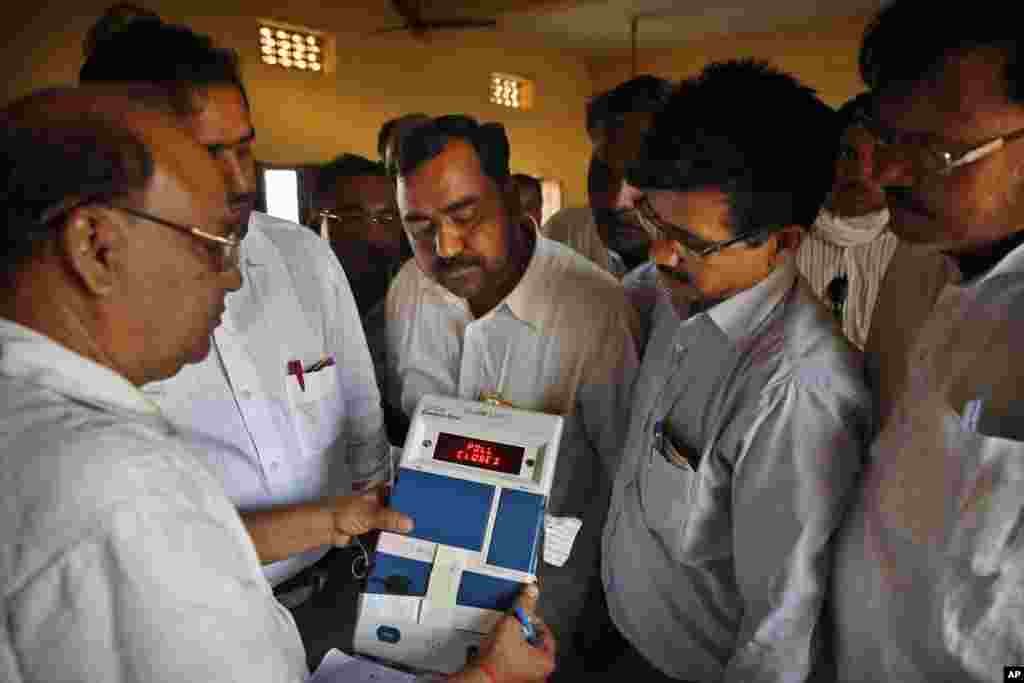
(33, 357)
(532, 294)
(1011, 263)
(740, 316)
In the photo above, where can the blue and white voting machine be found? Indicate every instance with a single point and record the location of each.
(475, 478)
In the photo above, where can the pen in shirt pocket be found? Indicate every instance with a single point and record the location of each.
(295, 368)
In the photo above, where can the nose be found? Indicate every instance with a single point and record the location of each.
(235, 173)
(450, 240)
(664, 253)
(628, 196)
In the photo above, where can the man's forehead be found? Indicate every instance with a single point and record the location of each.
(456, 170)
(967, 91)
(221, 116)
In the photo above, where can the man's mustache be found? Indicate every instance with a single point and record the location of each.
(445, 266)
(903, 198)
(677, 275)
(237, 201)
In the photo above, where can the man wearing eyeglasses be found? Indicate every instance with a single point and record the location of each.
(929, 579)
(286, 408)
(355, 206)
(120, 551)
(750, 415)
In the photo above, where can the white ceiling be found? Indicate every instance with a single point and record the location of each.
(605, 24)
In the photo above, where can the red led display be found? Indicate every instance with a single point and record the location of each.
(485, 455)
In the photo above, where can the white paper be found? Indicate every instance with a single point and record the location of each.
(559, 537)
(338, 667)
(406, 546)
(443, 587)
(392, 607)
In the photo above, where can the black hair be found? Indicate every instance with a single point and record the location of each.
(346, 166)
(52, 160)
(909, 41)
(143, 49)
(853, 111)
(427, 141)
(775, 166)
(528, 181)
(394, 125)
(641, 94)
(600, 176)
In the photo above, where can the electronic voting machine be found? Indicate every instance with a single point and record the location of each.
(475, 478)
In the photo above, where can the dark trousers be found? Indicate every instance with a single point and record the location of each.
(328, 618)
(606, 655)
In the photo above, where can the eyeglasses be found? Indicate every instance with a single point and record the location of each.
(929, 158)
(226, 249)
(379, 218)
(661, 229)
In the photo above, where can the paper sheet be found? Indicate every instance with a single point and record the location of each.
(406, 546)
(559, 537)
(338, 667)
(443, 587)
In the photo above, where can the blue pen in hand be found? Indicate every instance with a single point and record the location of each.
(529, 632)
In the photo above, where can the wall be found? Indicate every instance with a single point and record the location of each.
(822, 54)
(301, 118)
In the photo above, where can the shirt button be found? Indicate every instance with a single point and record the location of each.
(679, 348)
(275, 466)
(245, 394)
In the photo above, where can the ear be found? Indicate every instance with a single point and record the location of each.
(89, 243)
(790, 237)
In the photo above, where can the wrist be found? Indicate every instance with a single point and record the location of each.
(324, 515)
(478, 672)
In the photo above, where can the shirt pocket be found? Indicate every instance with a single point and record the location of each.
(667, 495)
(315, 408)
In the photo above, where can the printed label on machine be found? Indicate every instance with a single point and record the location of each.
(475, 479)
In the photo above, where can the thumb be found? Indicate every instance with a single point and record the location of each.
(393, 520)
(528, 598)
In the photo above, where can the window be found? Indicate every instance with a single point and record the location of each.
(551, 195)
(511, 91)
(281, 193)
(292, 47)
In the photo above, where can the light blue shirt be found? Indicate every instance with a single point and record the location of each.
(929, 577)
(716, 552)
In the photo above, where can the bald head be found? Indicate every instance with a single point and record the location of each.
(79, 265)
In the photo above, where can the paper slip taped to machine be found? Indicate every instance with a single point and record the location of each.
(338, 667)
(406, 546)
(559, 537)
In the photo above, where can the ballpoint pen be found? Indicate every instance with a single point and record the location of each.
(529, 631)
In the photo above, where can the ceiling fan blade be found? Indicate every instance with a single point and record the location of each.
(393, 29)
(460, 23)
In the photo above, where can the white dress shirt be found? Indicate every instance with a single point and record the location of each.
(269, 441)
(561, 342)
(856, 248)
(929, 578)
(120, 557)
(716, 550)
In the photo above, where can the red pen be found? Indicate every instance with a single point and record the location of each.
(295, 368)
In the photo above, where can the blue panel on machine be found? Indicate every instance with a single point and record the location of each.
(398, 576)
(487, 592)
(514, 541)
(445, 510)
